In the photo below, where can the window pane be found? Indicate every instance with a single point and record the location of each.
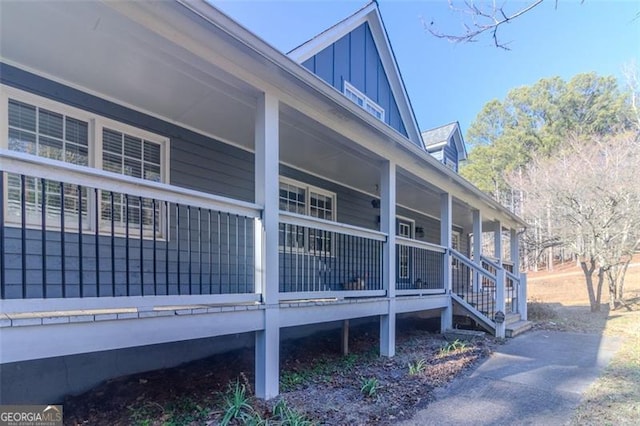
(152, 152)
(132, 147)
(22, 141)
(50, 148)
(112, 141)
(77, 154)
(22, 116)
(112, 163)
(77, 131)
(132, 168)
(50, 123)
(152, 172)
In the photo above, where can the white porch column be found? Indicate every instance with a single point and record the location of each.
(388, 226)
(522, 286)
(446, 222)
(500, 279)
(266, 244)
(514, 245)
(497, 242)
(477, 248)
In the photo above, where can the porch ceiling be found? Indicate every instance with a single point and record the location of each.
(307, 145)
(99, 51)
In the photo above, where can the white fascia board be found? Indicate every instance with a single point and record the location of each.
(331, 35)
(437, 147)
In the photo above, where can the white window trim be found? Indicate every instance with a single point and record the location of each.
(366, 101)
(455, 263)
(96, 123)
(412, 223)
(310, 188)
(307, 211)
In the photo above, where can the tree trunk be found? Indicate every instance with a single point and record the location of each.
(588, 276)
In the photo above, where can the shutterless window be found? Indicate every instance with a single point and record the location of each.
(45, 133)
(363, 101)
(59, 132)
(133, 156)
(307, 200)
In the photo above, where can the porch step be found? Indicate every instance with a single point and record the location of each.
(512, 319)
(517, 328)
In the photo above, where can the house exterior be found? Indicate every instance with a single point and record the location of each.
(446, 144)
(168, 177)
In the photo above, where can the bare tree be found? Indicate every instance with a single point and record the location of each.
(591, 192)
(479, 18)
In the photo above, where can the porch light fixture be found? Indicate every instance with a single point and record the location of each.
(375, 203)
(419, 232)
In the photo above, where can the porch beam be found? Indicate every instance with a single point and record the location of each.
(267, 150)
(388, 226)
(446, 222)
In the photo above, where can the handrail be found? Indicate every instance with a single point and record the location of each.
(420, 244)
(490, 261)
(494, 262)
(514, 277)
(46, 168)
(462, 258)
(327, 225)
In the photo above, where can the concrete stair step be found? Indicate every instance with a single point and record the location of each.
(517, 328)
(458, 334)
(512, 318)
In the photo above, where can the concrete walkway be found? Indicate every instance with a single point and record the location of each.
(534, 379)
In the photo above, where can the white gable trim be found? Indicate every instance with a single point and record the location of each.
(370, 14)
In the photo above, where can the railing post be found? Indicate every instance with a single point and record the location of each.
(446, 316)
(388, 226)
(522, 297)
(500, 303)
(266, 244)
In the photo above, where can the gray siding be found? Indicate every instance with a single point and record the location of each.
(451, 152)
(197, 162)
(355, 58)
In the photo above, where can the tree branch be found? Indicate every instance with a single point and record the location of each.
(483, 21)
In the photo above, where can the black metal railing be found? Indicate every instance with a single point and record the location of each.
(319, 256)
(61, 239)
(419, 265)
(511, 282)
(475, 285)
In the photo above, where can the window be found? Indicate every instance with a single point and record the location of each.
(363, 101)
(404, 229)
(455, 244)
(49, 129)
(296, 197)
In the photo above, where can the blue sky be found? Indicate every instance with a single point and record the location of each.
(448, 82)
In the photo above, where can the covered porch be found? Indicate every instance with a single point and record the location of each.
(256, 198)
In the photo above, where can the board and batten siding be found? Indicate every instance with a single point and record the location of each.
(355, 58)
(451, 151)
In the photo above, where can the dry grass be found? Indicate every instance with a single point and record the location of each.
(559, 301)
(614, 399)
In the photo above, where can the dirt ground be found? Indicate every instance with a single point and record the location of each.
(322, 385)
(317, 381)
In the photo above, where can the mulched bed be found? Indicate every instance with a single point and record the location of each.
(316, 379)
